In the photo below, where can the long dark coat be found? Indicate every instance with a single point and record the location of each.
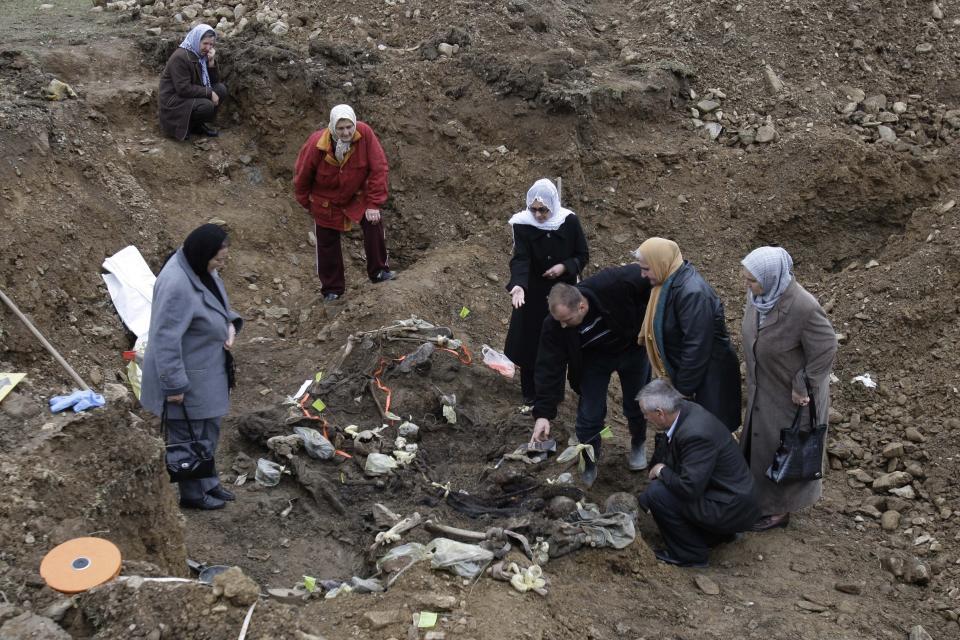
(181, 85)
(535, 251)
(795, 341)
(696, 347)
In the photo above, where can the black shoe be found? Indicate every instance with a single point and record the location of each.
(209, 131)
(383, 276)
(206, 503)
(330, 297)
(665, 556)
(771, 522)
(220, 493)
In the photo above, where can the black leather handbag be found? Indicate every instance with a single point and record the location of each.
(189, 460)
(800, 454)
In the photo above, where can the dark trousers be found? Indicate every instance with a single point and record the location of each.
(330, 255)
(528, 390)
(204, 110)
(634, 370)
(690, 530)
(209, 429)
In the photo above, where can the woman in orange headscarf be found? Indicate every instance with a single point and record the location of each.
(685, 333)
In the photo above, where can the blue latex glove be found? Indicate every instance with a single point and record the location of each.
(79, 400)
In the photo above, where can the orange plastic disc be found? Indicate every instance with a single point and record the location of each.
(80, 564)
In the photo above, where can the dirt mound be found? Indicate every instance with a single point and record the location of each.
(98, 474)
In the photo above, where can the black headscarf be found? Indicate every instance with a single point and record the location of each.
(199, 248)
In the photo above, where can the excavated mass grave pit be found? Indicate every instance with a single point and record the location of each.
(319, 520)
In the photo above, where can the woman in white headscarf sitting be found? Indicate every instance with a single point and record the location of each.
(190, 87)
(548, 247)
(789, 346)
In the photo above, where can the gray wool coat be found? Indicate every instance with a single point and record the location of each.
(185, 352)
(795, 341)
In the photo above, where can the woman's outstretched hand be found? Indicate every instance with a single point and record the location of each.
(517, 296)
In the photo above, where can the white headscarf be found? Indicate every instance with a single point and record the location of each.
(773, 269)
(338, 113)
(545, 192)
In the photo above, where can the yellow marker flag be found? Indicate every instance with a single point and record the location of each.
(8, 381)
(427, 620)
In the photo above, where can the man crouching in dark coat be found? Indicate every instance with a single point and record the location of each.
(702, 495)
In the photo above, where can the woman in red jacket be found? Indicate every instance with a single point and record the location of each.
(341, 178)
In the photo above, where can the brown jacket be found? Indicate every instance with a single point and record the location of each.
(181, 85)
(795, 341)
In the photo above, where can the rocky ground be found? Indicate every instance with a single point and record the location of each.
(724, 125)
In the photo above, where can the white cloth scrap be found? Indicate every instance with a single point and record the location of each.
(130, 283)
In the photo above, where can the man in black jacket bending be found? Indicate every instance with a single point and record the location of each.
(703, 494)
(591, 332)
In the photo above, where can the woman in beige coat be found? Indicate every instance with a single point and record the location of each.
(788, 342)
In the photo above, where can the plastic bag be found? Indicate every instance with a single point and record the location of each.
(134, 372)
(408, 430)
(465, 560)
(316, 445)
(268, 472)
(498, 361)
(402, 556)
(378, 464)
(366, 585)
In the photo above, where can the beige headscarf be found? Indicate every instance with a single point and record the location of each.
(664, 258)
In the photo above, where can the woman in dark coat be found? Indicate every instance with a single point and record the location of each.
(685, 332)
(788, 344)
(190, 87)
(548, 247)
(187, 369)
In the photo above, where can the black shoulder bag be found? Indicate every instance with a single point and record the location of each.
(190, 460)
(800, 454)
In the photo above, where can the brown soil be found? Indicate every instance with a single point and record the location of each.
(599, 93)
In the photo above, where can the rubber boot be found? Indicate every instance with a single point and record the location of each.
(590, 468)
(638, 447)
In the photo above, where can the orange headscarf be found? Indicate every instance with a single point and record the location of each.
(664, 258)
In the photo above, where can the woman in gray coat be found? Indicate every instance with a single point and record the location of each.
(788, 343)
(187, 367)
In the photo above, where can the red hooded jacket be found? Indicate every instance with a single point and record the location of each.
(339, 193)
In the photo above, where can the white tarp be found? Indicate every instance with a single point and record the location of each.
(130, 283)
